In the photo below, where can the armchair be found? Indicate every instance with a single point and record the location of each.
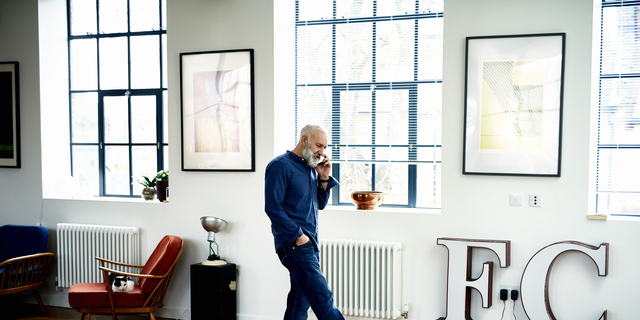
(23, 263)
(146, 297)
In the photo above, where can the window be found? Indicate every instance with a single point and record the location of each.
(118, 93)
(618, 144)
(370, 72)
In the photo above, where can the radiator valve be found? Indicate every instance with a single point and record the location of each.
(405, 310)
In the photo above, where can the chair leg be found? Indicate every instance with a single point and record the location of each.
(35, 292)
(152, 316)
(86, 316)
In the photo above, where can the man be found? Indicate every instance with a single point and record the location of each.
(297, 185)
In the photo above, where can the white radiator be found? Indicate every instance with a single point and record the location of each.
(79, 244)
(364, 276)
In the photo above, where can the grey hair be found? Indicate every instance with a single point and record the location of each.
(310, 130)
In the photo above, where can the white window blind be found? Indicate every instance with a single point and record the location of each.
(618, 144)
(370, 72)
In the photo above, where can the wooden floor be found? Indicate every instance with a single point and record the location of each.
(10, 309)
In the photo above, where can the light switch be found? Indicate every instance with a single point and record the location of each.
(515, 199)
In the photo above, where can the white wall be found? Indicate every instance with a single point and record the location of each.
(474, 207)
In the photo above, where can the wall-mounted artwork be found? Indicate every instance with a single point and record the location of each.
(217, 111)
(9, 115)
(513, 105)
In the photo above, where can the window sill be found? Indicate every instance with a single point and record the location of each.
(106, 199)
(605, 217)
(383, 210)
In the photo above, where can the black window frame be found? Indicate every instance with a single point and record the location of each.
(161, 142)
(374, 86)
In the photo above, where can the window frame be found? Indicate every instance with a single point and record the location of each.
(600, 111)
(161, 142)
(374, 86)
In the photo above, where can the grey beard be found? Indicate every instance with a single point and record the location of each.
(310, 157)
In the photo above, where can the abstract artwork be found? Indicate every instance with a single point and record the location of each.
(513, 105)
(217, 111)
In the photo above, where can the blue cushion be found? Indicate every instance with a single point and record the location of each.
(16, 241)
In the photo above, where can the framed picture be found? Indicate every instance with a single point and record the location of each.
(9, 115)
(513, 105)
(217, 112)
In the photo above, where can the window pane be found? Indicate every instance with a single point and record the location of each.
(393, 180)
(84, 117)
(430, 49)
(83, 17)
(354, 8)
(145, 15)
(428, 186)
(395, 50)
(164, 61)
(166, 158)
(619, 170)
(354, 177)
(355, 117)
(145, 163)
(164, 14)
(430, 114)
(314, 54)
(85, 169)
(619, 111)
(356, 153)
(83, 64)
(392, 153)
(353, 52)
(396, 7)
(145, 62)
(618, 203)
(116, 120)
(316, 9)
(392, 117)
(314, 106)
(113, 16)
(165, 117)
(114, 63)
(430, 154)
(620, 45)
(431, 6)
(143, 119)
(117, 176)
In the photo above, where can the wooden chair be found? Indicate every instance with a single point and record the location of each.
(98, 298)
(23, 263)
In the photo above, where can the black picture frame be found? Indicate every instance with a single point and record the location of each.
(513, 105)
(9, 115)
(217, 113)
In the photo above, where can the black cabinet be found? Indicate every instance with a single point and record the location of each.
(213, 292)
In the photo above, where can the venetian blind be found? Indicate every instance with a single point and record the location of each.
(370, 72)
(618, 149)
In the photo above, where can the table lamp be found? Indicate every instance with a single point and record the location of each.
(213, 225)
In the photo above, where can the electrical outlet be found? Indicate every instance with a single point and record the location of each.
(509, 288)
(535, 200)
(515, 199)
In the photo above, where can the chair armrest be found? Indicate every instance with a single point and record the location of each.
(24, 273)
(122, 273)
(119, 263)
(27, 257)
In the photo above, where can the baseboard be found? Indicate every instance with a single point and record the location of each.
(183, 313)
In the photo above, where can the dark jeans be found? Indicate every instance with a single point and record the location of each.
(308, 286)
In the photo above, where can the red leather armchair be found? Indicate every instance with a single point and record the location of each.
(98, 298)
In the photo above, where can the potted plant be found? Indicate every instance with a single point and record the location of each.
(162, 184)
(149, 190)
